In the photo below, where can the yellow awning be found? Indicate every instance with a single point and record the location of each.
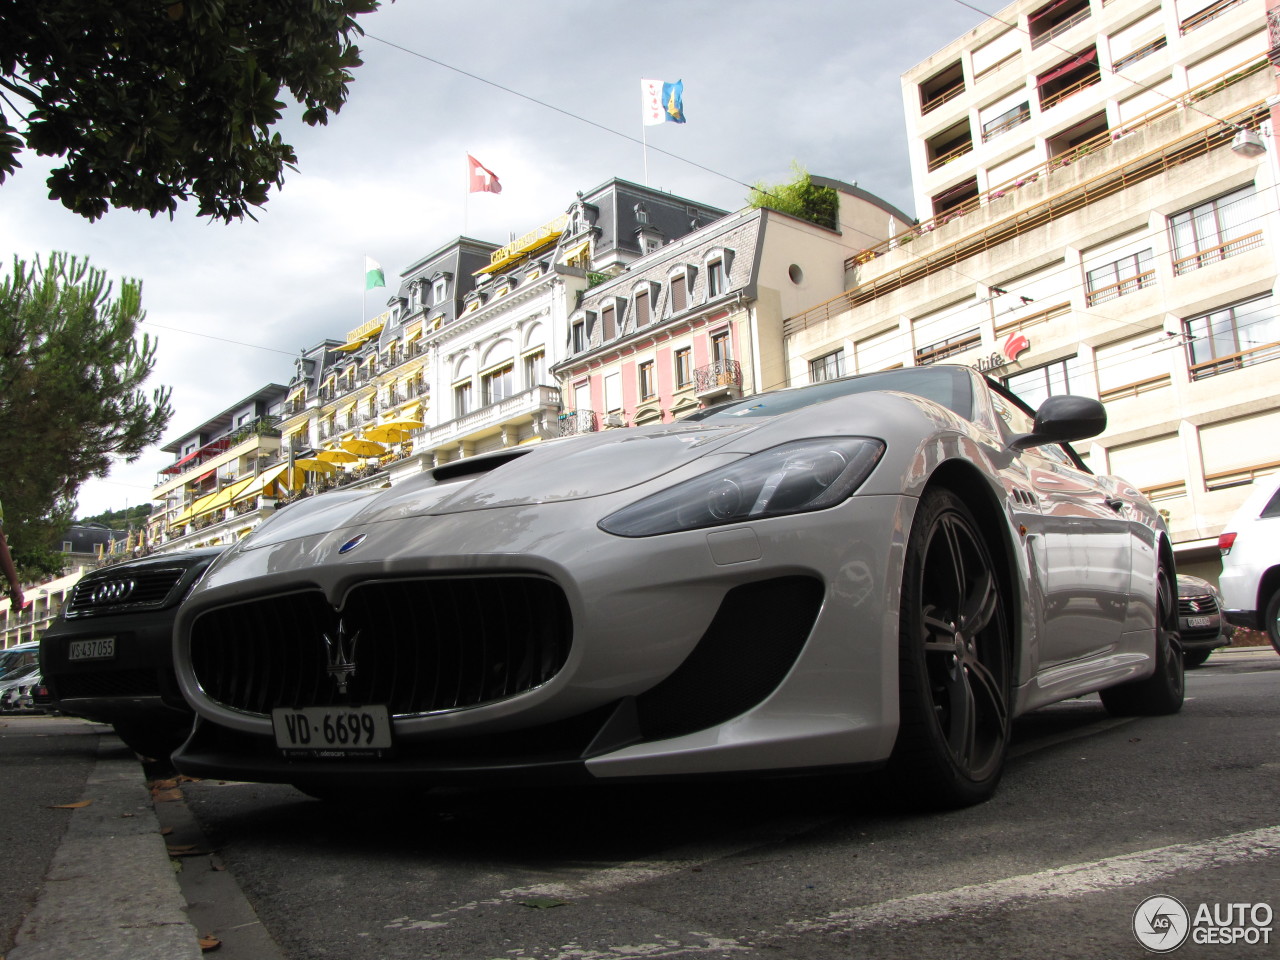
(223, 496)
(351, 347)
(577, 250)
(258, 484)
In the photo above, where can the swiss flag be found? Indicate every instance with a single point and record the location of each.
(480, 178)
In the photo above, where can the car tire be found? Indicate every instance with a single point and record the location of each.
(954, 662)
(1272, 620)
(1194, 658)
(1162, 692)
(151, 740)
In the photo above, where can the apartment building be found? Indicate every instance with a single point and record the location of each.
(699, 320)
(1113, 233)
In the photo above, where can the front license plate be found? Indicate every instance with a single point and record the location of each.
(103, 648)
(1199, 621)
(332, 732)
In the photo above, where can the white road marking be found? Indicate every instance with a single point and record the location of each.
(1064, 882)
(1069, 881)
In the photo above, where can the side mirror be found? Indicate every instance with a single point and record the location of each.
(1062, 419)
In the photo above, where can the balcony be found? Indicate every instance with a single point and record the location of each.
(573, 422)
(1214, 254)
(538, 405)
(721, 380)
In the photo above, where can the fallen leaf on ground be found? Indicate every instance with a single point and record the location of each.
(185, 850)
(163, 796)
(71, 806)
(209, 942)
(544, 903)
(162, 784)
(164, 831)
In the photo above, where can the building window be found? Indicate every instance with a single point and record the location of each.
(496, 385)
(1126, 275)
(642, 308)
(1051, 380)
(462, 399)
(829, 366)
(612, 392)
(1233, 337)
(1013, 117)
(647, 388)
(439, 290)
(1214, 231)
(608, 323)
(679, 294)
(716, 282)
(535, 369)
(720, 350)
(934, 352)
(684, 367)
(579, 337)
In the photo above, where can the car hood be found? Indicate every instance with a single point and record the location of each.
(572, 468)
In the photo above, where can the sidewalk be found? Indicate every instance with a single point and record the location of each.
(111, 892)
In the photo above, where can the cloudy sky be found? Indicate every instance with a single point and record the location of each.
(765, 83)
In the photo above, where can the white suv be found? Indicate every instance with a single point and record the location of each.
(1250, 547)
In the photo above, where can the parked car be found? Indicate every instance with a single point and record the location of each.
(17, 657)
(1201, 626)
(15, 688)
(109, 655)
(879, 570)
(1250, 548)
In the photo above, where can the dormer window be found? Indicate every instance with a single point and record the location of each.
(439, 290)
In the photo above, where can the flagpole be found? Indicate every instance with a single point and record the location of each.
(644, 140)
(466, 196)
(364, 297)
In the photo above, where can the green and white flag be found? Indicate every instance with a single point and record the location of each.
(373, 275)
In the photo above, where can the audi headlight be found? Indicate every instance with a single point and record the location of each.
(793, 478)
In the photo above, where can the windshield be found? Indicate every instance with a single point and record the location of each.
(950, 386)
(16, 662)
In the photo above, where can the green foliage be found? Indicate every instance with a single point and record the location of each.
(150, 103)
(800, 198)
(70, 373)
(121, 519)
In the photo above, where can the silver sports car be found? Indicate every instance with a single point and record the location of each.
(877, 571)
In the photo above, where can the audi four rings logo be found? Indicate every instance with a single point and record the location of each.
(113, 591)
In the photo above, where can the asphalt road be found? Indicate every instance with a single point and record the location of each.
(1094, 815)
(44, 762)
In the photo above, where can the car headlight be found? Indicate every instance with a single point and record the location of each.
(793, 478)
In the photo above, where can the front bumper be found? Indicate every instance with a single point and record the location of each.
(642, 611)
(138, 684)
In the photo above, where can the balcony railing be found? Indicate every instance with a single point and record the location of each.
(1235, 361)
(539, 398)
(722, 373)
(1222, 251)
(1060, 28)
(943, 159)
(1053, 99)
(1198, 20)
(944, 97)
(1123, 288)
(1140, 54)
(574, 422)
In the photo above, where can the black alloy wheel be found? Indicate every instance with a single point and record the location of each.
(954, 661)
(1163, 691)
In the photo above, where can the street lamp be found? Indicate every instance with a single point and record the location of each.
(1247, 143)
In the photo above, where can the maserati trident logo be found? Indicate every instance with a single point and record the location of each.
(340, 650)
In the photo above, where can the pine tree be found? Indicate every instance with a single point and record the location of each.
(70, 398)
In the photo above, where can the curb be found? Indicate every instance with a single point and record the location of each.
(110, 893)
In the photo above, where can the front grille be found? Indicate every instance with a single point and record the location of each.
(1197, 606)
(125, 590)
(420, 646)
